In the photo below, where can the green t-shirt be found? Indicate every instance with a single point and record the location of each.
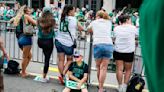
(78, 71)
(151, 38)
(45, 36)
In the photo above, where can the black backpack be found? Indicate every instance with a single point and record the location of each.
(136, 84)
(13, 67)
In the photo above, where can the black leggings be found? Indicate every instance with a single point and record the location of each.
(47, 46)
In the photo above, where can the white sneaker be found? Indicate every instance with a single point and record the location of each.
(124, 87)
(44, 80)
(41, 79)
(120, 88)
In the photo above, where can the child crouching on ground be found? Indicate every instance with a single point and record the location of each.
(78, 72)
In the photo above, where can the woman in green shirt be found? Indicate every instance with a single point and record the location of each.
(46, 24)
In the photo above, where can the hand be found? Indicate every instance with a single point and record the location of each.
(79, 85)
(5, 55)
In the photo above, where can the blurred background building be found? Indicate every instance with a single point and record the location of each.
(94, 5)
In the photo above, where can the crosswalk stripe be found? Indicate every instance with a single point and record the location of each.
(53, 69)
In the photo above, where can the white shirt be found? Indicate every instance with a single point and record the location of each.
(64, 37)
(125, 38)
(101, 31)
(2, 10)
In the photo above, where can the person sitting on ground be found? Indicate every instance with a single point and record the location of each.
(78, 72)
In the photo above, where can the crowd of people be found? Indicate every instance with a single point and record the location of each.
(114, 35)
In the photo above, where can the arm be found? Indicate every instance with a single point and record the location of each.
(89, 29)
(11, 20)
(70, 75)
(30, 20)
(3, 49)
(84, 79)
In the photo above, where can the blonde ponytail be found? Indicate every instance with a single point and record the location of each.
(19, 15)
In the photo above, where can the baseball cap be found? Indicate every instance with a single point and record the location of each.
(47, 9)
(76, 54)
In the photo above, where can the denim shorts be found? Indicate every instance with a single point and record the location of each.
(103, 51)
(64, 49)
(24, 41)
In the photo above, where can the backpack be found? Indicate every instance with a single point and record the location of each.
(136, 84)
(12, 68)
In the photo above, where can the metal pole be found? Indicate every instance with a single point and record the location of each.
(90, 60)
(14, 46)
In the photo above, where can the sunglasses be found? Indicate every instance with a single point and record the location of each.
(76, 56)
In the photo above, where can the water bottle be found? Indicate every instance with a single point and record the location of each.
(5, 63)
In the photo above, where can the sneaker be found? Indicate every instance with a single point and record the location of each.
(120, 88)
(61, 80)
(103, 90)
(41, 79)
(124, 87)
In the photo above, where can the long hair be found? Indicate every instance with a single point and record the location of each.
(65, 12)
(46, 22)
(19, 15)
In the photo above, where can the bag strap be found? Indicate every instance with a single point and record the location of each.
(70, 35)
(23, 19)
(68, 30)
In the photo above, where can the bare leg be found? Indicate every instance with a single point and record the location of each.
(103, 72)
(128, 68)
(84, 90)
(61, 57)
(98, 62)
(29, 59)
(119, 71)
(69, 61)
(25, 60)
(66, 90)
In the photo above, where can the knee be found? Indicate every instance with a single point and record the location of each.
(103, 67)
(119, 69)
(30, 56)
(46, 64)
(66, 90)
(128, 70)
(84, 90)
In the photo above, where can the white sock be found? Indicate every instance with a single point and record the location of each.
(124, 85)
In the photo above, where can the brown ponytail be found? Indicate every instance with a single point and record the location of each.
(46, 22)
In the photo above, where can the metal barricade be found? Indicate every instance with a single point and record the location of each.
(11, 45)
(84, 46)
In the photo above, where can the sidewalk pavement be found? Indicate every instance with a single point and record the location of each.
(17, 84)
